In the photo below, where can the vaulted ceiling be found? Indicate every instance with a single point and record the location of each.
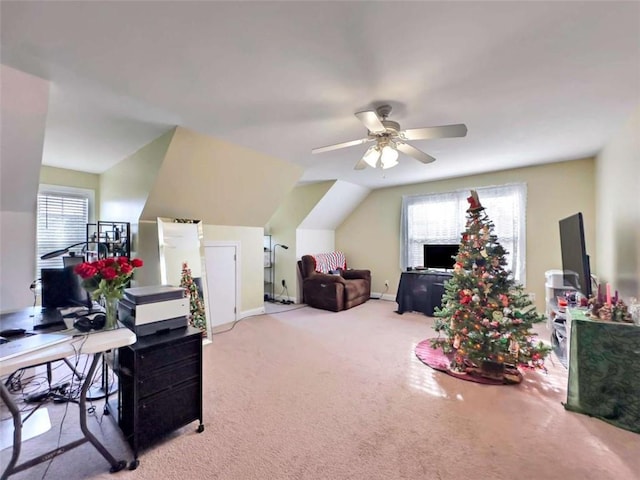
(535, 82)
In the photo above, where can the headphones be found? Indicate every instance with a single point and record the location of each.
(94, 321)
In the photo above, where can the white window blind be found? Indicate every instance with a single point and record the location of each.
(62, 216)
(440, 218)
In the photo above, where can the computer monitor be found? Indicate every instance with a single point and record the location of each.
(54, 295)
(55, 287)
(62, 287)
(76, 294)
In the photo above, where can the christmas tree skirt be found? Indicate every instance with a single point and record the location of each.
(439, 360)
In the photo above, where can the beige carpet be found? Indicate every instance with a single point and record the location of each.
(310, 394)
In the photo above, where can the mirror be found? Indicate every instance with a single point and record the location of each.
(182, 264)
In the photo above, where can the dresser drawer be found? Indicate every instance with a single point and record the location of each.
(154, 358)
(165, 378)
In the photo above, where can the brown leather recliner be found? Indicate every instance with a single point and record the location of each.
(333, 292)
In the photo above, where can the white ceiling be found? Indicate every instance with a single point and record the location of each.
(534, 82)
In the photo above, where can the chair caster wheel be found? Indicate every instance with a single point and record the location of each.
(200, 428)
(134, 464)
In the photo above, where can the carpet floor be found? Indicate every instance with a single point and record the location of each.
(310, 394)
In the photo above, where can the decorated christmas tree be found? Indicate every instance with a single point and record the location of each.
(197, 317)
(486, 317)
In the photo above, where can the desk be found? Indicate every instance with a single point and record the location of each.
(421, 291)
(96, 344)
(604, 370)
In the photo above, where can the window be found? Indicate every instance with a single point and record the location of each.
(62, 216)
(441, 218)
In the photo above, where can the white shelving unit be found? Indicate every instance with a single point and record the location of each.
(267, 266)
(554, 288)
(556, 316)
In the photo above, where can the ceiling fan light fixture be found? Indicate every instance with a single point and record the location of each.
(390, 139)
(371, 156)
(389, 157)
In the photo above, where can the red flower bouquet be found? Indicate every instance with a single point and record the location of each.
(106, 279)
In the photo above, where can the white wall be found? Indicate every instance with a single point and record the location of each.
(618, 210)
(336, 205)
(23, 114)
(310, 241)
(17, 242)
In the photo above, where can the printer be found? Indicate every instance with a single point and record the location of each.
(149, 310)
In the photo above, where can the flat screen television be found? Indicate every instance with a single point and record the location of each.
(439, 255)
(576, 271)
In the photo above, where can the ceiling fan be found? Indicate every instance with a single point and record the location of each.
(389, 139)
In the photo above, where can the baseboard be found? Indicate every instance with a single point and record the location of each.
(383, 296)
(251, 313)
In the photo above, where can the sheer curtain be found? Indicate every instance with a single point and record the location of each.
(440, 218)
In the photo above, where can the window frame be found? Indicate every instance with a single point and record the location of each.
(61, 191)
(515, 191)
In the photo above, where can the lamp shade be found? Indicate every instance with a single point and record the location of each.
(371, 156)
(389, 157)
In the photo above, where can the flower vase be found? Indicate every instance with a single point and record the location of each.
(111, 313)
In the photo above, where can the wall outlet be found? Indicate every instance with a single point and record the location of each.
(284, 284)
(386, 283)
(532, 296)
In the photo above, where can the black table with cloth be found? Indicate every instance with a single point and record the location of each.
(421, 291)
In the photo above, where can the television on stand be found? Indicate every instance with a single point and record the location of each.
(575, 260)
(440, 256)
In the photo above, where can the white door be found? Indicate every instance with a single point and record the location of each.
(220, 264)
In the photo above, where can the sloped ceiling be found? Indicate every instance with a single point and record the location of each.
(341, 199)
(124, 188)
(218, 182)
(23, 111)
(296, 206)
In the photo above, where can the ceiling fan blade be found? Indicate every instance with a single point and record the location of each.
(361, 165)
(444, 131)
(371, 120)
(414, 152)
(337, 146)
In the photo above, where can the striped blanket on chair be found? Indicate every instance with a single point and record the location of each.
(325, 262)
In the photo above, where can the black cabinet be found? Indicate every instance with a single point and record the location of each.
(160, 385)
(421, 291)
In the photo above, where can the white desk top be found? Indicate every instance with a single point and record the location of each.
(82, 344)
